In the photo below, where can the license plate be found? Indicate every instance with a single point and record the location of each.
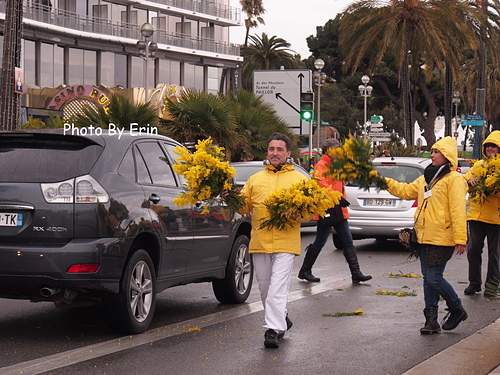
(11, 220)
(385, 202)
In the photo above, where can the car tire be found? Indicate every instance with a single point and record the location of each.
(131, 310)
(236, 286)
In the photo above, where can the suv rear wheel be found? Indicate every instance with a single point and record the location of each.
(236, 286)
(132, 309)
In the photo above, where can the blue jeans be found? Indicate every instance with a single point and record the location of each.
(435, 284)
(323, 232)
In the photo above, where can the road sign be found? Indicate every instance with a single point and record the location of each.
(376, 125)
(380, 139)
(473, 117)
(282, 89)
(375, 119)
(379, 134)
(472, 122)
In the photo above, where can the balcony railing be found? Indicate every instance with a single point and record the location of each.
(74, 21)
(206, 7)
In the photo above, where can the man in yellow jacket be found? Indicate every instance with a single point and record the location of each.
(484, 222)
(441, 229)
(273, 250)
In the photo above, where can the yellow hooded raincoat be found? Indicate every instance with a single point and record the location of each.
(489, 211)
(257, 189)
(440, 218)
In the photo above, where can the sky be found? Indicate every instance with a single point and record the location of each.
(292, 20)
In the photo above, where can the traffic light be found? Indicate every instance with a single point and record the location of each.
(306, 106)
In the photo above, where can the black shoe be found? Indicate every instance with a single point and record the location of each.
(472, 289)
(456, 315)
(308, 276)
(431, 324)
(358, 276)
(289, 325)
(271, 339)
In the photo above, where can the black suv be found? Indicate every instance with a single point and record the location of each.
(91, 218)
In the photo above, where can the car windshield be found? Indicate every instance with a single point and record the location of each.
(400, 173)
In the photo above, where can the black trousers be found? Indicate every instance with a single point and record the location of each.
(478, 232)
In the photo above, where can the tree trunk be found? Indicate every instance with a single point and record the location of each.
(448, 92)
(407, 103)
(9, 100)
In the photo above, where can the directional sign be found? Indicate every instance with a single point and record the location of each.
(380, 139)
(282, 89)
(472, 122)
(379, 134)
(473, 117)
(375, 119)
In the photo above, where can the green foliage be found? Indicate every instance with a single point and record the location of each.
(198, 115)
(256, 120)
(264, 53)
(121, 112)
(55, 122)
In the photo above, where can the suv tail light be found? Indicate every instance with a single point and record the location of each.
(83, 189)
(415, 204)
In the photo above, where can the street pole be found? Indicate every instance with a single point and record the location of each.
(319, 79)
(148, 50)
(365, 91)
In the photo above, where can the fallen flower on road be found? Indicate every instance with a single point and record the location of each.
(393, 293)
(357, 312)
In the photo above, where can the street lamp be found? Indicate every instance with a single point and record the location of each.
(319, 79)
(365, 91)
(148, 50)
(456, 102)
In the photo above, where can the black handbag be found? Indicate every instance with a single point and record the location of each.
(334, 215)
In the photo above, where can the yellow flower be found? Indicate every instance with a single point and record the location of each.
(306, 198)
(207, 174)
(488, 174)
(352, 163)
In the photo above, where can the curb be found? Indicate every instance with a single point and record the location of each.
(477, 354)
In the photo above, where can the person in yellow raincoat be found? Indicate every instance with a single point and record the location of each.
(273, 250)
(484, 223)
(440, 227)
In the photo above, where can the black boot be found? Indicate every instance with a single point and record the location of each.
(305, 272)
(431, 323)
(352, 259)
(457, 314)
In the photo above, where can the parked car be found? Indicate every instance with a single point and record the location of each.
(244, 169)
(381, 215)
(91, 218)
(464, 165)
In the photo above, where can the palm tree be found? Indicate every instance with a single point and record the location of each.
(256, 120)
(266, 53)
(12, 31)
(417, 32)
(253, 10)
(122, 112)
(198, 115)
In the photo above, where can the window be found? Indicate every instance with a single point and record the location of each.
(213, 79)
(157, 163)
(75, 66)
(120, 70)
(29, 63)
(107, 66)
(90, 67)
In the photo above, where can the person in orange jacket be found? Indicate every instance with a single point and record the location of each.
(323, 231)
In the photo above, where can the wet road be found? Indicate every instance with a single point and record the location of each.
(192, 333)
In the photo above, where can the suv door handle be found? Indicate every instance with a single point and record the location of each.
(154, 198)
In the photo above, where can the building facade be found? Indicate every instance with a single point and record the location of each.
(76, 52)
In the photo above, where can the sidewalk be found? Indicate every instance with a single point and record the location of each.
(476, 354)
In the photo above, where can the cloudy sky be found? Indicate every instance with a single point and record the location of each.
(292, 20)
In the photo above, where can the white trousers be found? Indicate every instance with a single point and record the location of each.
(273, 273)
